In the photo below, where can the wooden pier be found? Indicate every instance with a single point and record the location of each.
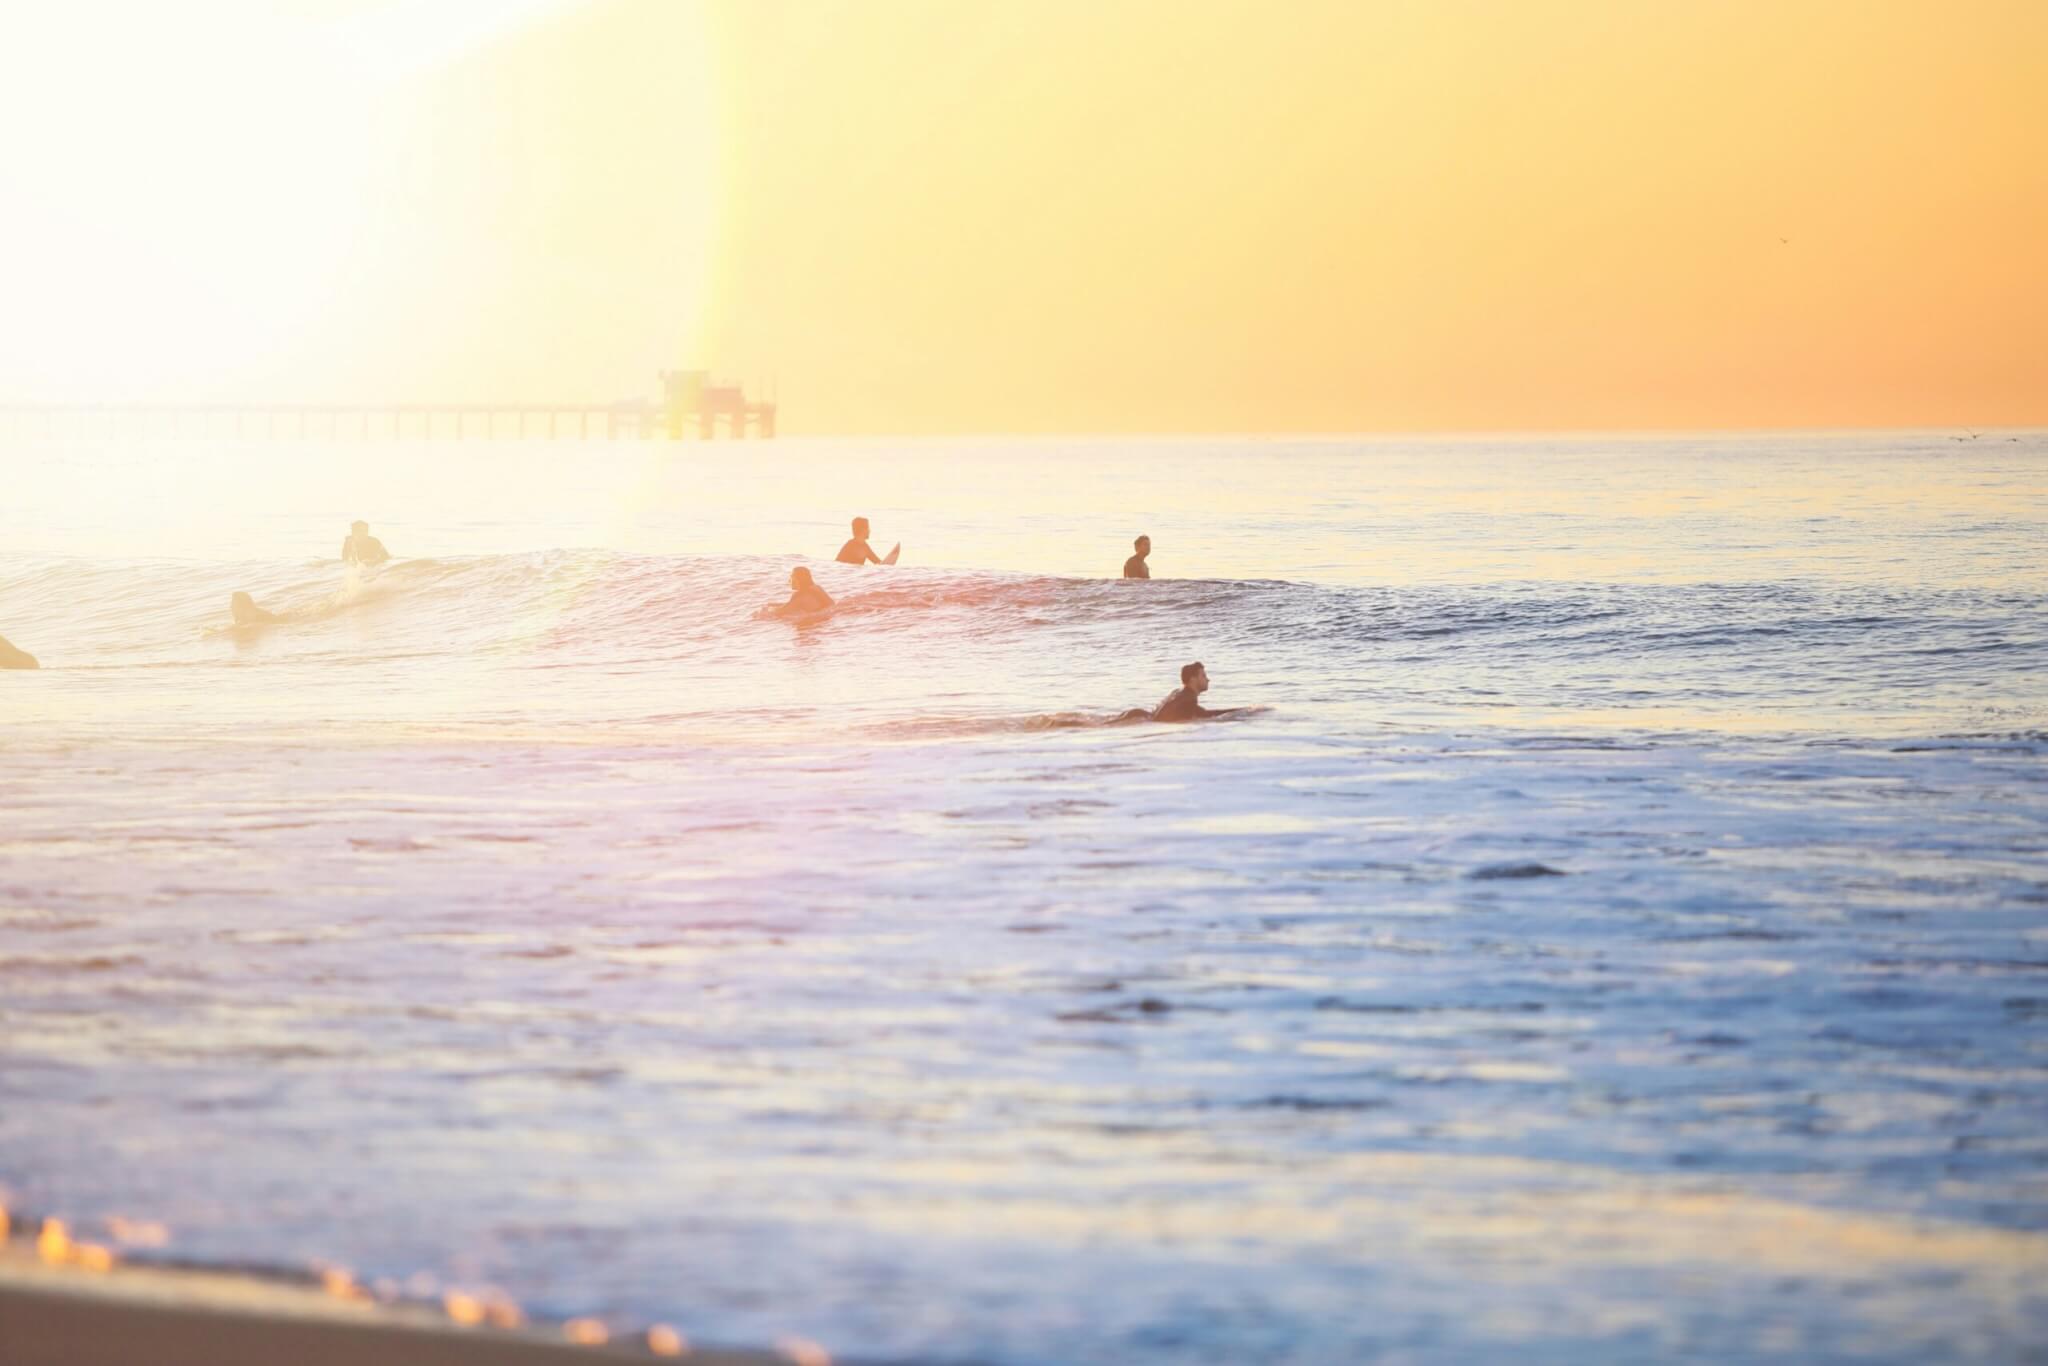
(690, 406)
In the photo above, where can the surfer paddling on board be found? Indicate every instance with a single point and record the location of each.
(805, 597)
(1182, 703)
(1134, 567)
(244, 610)
(858, 551)
(360, 547)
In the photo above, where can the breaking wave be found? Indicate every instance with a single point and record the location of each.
(935, 651)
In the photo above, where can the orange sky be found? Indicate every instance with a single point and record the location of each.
(1131, 215)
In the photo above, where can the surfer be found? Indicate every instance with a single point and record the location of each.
(244, 610)
(13, 658)
(1134, 567)
(1181, 704)
(805, 597)
(858, 551)
(360, 547)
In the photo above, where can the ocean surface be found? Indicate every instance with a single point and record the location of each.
(1623, 934)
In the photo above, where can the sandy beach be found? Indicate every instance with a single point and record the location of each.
(150, 1316)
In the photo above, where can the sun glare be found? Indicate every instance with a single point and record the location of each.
(231, 202)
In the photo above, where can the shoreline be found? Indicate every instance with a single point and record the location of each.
(84, 1309)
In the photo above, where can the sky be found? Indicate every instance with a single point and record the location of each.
(921, 216)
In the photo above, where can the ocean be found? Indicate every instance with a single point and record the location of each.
(1622, 933)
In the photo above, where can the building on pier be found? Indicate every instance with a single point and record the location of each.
(690, 394)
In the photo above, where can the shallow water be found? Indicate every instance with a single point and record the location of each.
(1624, 934)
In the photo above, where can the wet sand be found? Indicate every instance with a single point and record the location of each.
(146, 1316)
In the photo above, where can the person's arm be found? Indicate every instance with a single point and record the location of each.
(348, 550)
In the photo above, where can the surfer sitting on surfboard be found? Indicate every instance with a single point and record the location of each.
(858, 551)
(360, 547)
(1135, 567)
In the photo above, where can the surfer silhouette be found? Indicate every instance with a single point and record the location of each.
(12, 657)
(1183, 704)
(858, 551)
(805, 596)
(1134, 567)
(360, 547)
(244, 610)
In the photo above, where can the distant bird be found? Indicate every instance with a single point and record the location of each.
(1785, 241)
(1971, 437)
